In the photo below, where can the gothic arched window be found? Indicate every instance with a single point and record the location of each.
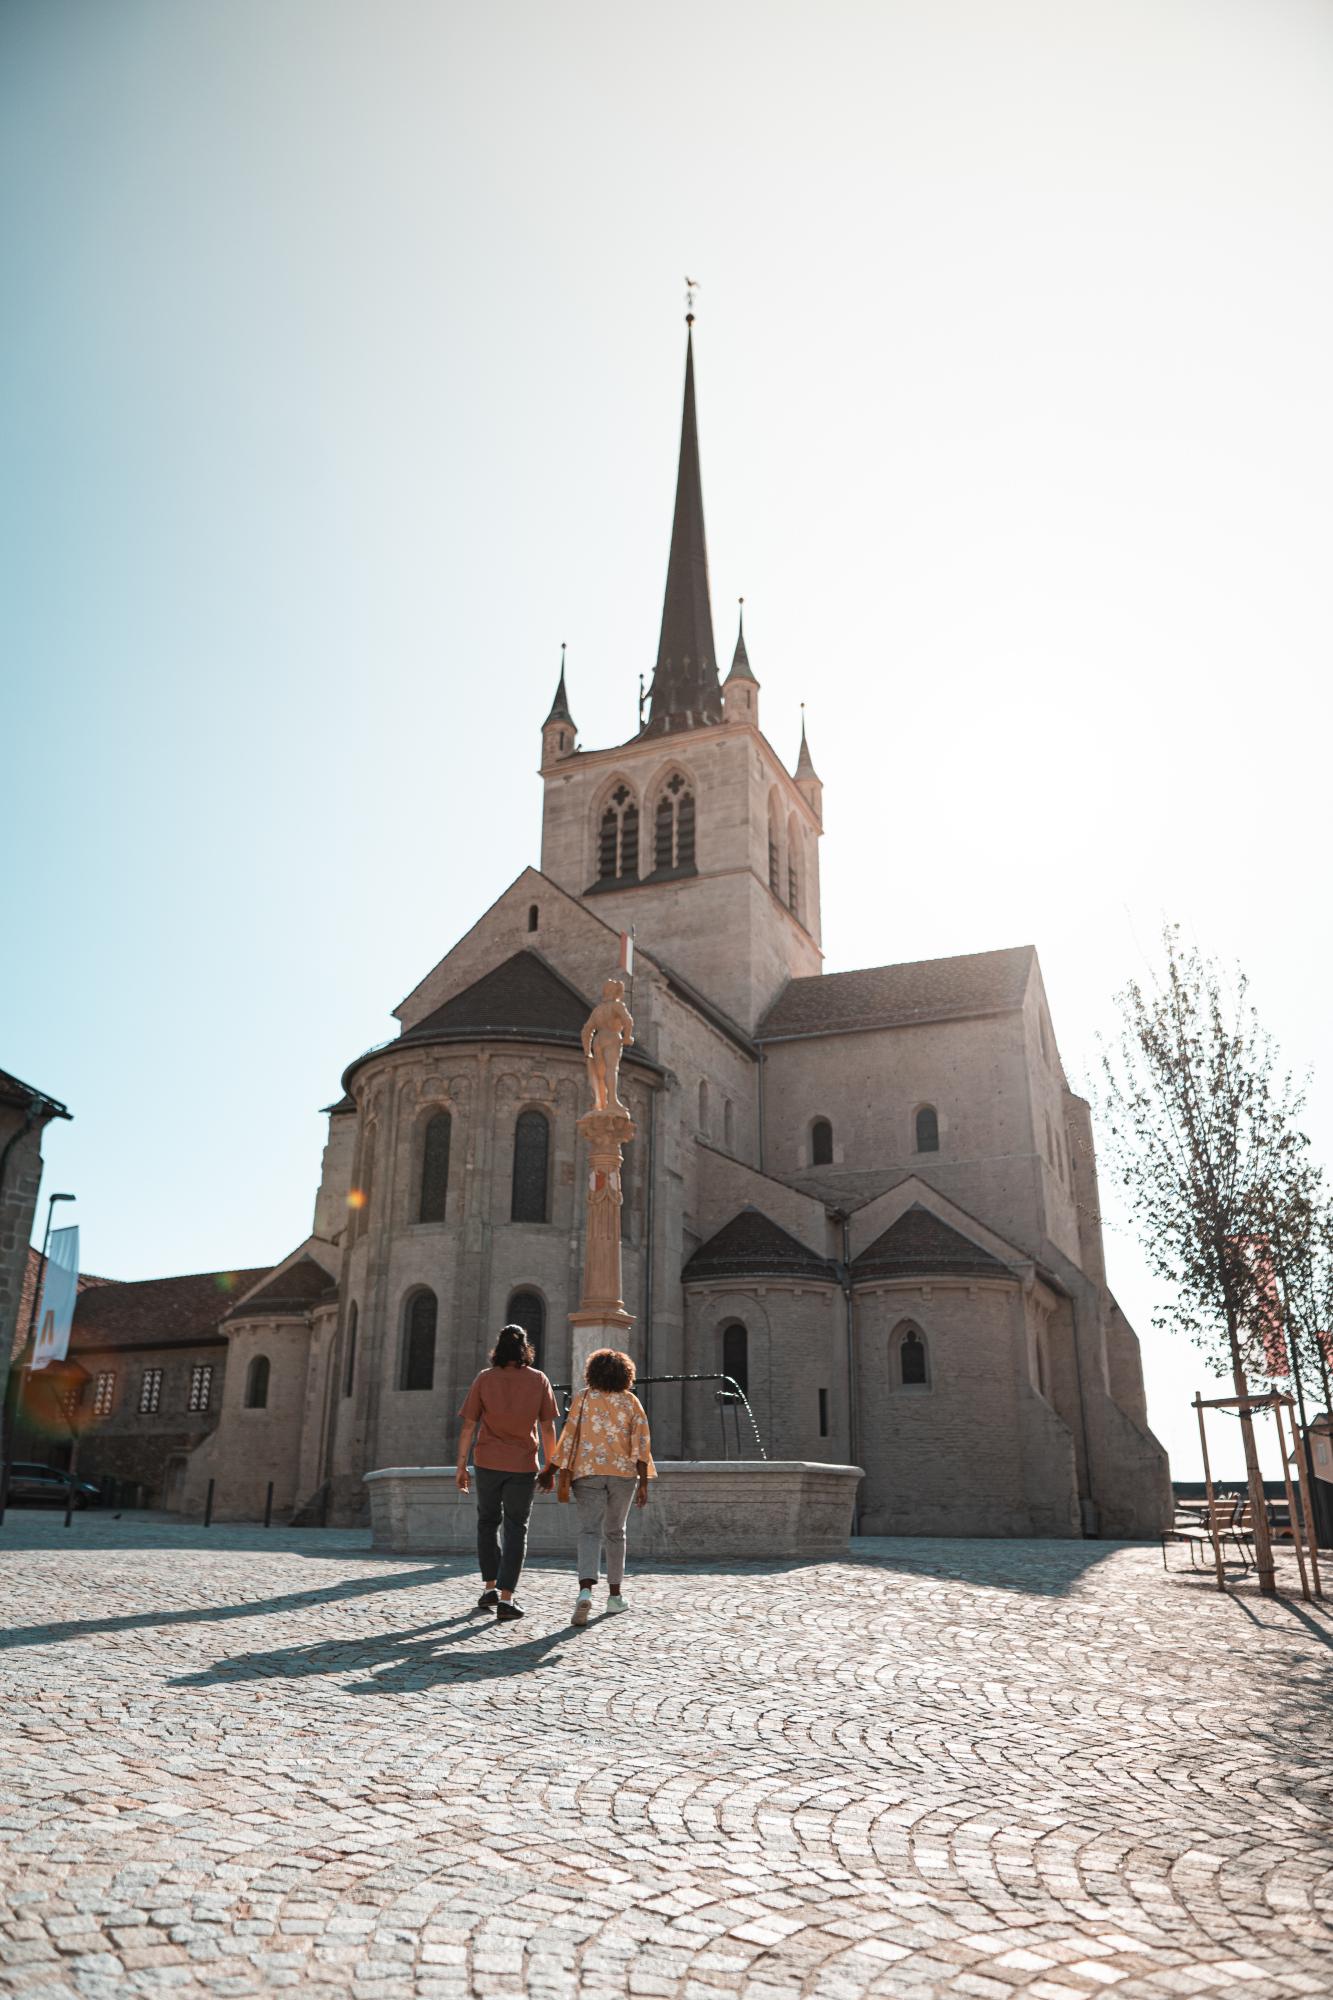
(821, 1143)
(793, 867)
(532, 1145)
(912, 1360)
(528, 1310)
(349, 1367)
(435, 1168)
(927, 1129)
(673, 826)
(736, 1355)
(774, 846)
(416, 1368)
(618, 839)
(256, 1383)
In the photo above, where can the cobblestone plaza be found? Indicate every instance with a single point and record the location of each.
(241, 1763)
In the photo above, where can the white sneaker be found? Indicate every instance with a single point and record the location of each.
(582, 1608)
(615, 1602)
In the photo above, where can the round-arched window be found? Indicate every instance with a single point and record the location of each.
(528, 1310)
(256, 1383)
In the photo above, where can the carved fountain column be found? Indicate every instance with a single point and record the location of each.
(601, 1319)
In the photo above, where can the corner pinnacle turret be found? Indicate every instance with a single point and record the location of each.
(560, 706)
(685, 691)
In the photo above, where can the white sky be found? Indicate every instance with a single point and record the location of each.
(343, 385)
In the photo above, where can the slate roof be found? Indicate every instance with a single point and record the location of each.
(158, 1312)
(522, 1000)
(751, 1245)
(524, 996)
(891, 996)
(300, 1287)
(919, 1245)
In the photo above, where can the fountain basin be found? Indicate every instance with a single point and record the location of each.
(698, 1509)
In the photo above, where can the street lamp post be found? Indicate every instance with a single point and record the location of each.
(14, 1403)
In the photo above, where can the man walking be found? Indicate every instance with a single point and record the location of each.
(509, 1406)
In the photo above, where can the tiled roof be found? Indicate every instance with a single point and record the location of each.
(158, 1312)
(21, 1095)
(751, 1245)
(295, 1290)
(890, 996)
(919, 1245)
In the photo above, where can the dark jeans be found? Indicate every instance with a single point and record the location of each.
(507, 1496)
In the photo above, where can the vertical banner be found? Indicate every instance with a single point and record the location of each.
(627, 954)
(60, 1286)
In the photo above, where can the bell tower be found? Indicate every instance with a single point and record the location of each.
(692, 832)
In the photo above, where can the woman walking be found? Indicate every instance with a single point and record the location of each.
(606, 1454)
(507, 1407)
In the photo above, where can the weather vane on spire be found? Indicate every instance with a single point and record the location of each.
(691, 287)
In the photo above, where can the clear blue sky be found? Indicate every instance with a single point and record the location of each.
(339, 382)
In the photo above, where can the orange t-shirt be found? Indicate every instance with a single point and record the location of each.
(507, 1405)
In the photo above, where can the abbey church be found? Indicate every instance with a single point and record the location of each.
(869, 1196)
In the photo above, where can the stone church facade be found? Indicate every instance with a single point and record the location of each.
(869, 1195)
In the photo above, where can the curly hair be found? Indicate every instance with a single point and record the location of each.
(607, 1368)
(513, 1349)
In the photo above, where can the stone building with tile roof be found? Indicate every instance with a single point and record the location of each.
(870, 1196)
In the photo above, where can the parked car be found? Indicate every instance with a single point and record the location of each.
(46, 1485)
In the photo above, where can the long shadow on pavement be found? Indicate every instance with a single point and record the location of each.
(391, 1662)
(211, 1614)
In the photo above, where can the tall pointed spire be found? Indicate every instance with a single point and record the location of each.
(685, 689)
(805, 763)
(740, 659)
(560, 706)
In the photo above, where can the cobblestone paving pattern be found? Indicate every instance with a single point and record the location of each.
(241, 1764)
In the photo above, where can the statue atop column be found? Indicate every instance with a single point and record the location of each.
(601, 1319)
(607, 1033)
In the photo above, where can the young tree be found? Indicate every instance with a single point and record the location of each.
(1203, 1134)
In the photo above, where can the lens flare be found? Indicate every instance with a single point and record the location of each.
(356, 1198)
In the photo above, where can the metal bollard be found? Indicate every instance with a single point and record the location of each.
(268, 1506)
(208, 1506)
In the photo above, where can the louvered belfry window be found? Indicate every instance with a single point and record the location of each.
(435, 1168)
(618, 838)
(532, 1140)
(673, 827)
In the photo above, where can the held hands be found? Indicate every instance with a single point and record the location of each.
(546, 1478)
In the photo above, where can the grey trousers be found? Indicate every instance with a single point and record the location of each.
(603, 1504)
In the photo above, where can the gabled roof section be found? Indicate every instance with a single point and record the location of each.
(685, 689)
(892, 996)
(753, 1246)
(920, 1245)
(297, 1289)
(158, 1312)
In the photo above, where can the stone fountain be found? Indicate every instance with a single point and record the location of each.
(700, 1509)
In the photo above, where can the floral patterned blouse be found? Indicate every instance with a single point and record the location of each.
(613, 1438)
